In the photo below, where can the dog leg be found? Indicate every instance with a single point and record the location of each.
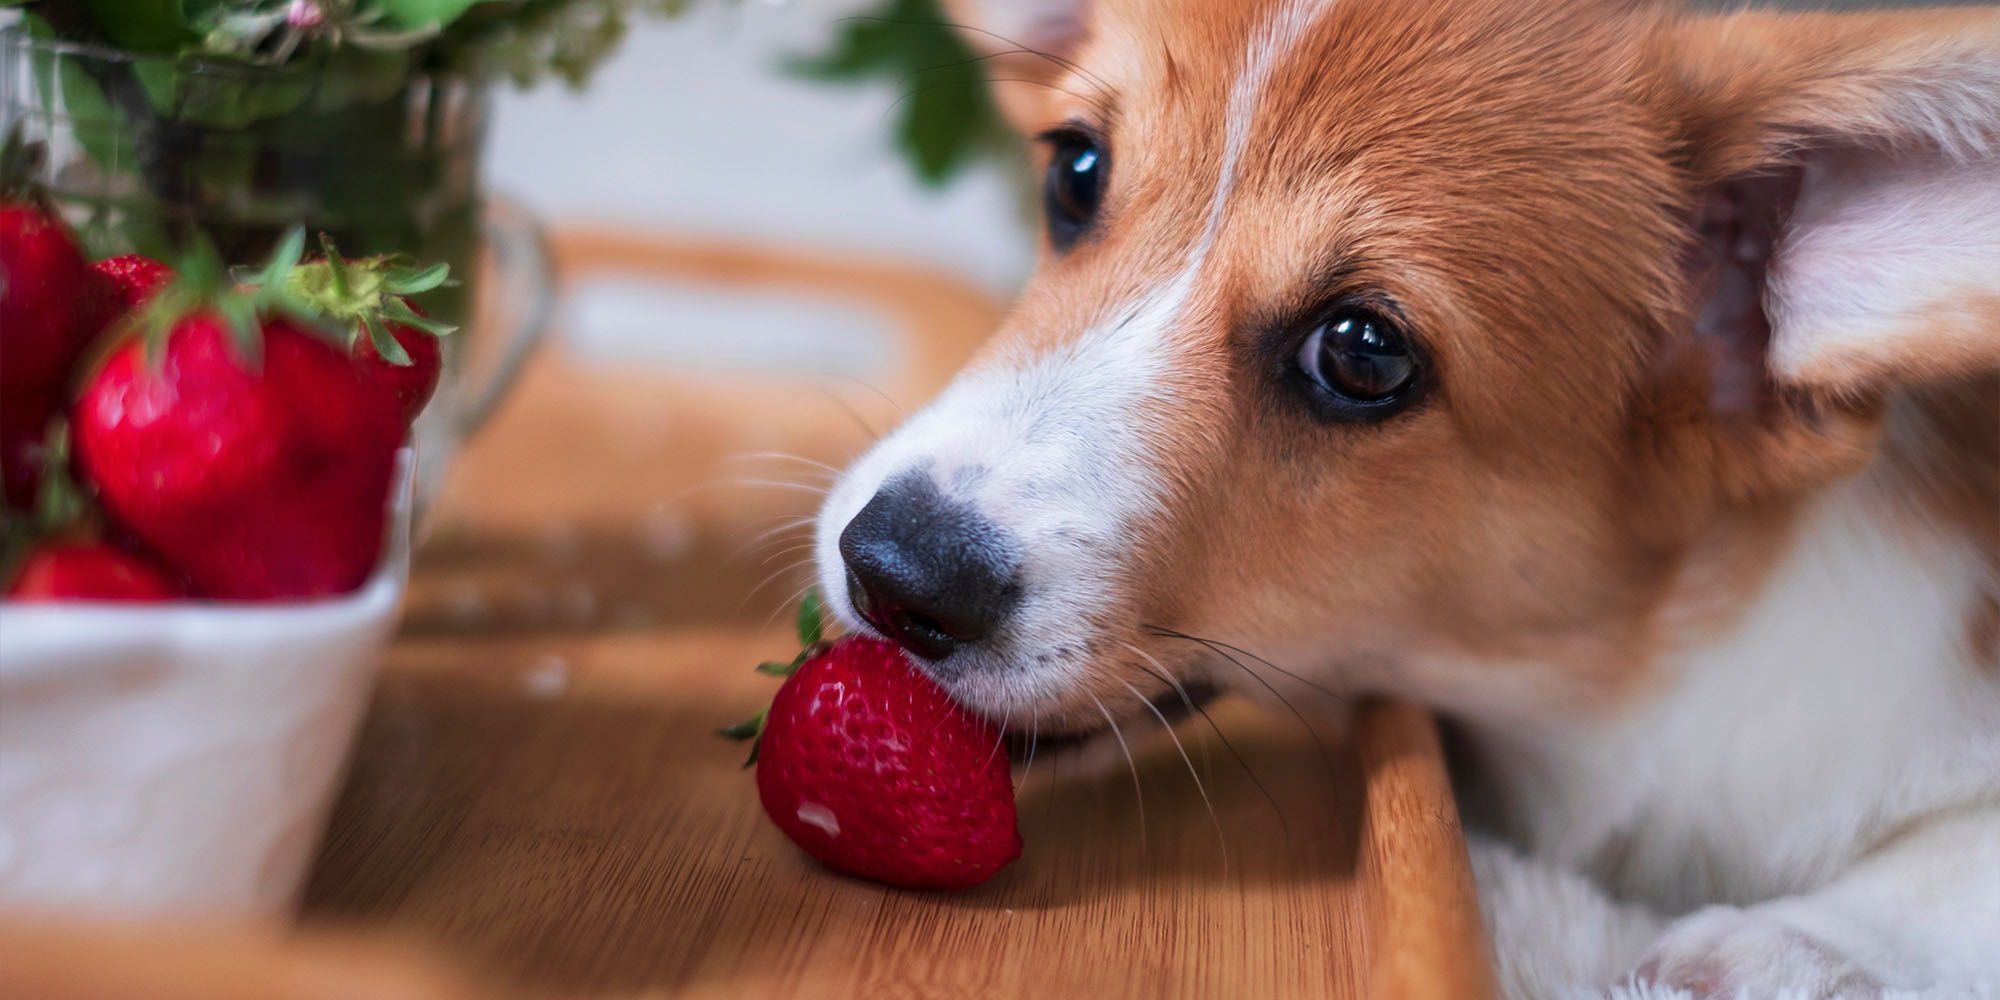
(1555, 934)
(1921, 913)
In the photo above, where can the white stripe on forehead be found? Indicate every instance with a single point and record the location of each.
(1062, 449)
(1277, 36)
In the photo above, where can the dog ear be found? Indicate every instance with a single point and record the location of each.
(1848, 234)
(1022, 43)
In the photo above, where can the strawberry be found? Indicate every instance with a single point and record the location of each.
(414, 382)
(52, 302)
(88, 571)
(396, 341)
(132, 279)
(249, 447)
(51, 306)
(871, 768)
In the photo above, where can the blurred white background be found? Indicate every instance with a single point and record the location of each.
(694, 130)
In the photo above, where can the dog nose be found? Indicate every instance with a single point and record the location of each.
(929, 573)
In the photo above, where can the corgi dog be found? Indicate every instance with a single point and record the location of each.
(1620, 381)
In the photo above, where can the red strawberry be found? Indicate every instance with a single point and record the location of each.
(868, 766)
(88, 571)
(133, 278)
(258, 482)
(51, 302)
(51, 306)
(412, 383)
(396, 341)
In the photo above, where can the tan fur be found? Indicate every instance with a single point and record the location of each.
(1518, 179)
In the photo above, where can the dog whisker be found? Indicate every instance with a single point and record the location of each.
(1329, 692)
(1220, 837)
(786, 604)
(781, 484)
(791, 524)
(1324, 753)
(1223, 738)
(1160, 671)
(1130, 764)
(1034, 740)
(787, 457)
(792, 549)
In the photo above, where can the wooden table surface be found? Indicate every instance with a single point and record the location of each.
(538, 802)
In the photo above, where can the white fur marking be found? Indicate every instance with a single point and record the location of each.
(1873, 247)
(1057, 449)
(1727, 786)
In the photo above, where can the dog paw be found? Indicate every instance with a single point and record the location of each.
(1724, 953)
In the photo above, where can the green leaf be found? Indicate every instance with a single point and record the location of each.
(201, 266)
(397, 311)
(420, 13)
(945, 116)
(778, 668)
(812, 621)
(336, 266)
(386, 346)
(142, 25)
(747, 729)
(290, 250)
(59, 501)
(246, 338)
(401, 282)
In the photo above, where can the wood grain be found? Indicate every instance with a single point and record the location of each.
(539, 793)
(538, 800)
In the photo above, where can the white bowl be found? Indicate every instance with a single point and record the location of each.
(182, 759)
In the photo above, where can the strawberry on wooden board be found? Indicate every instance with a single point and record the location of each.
(88, 571)
(242, 440)
(871, 768)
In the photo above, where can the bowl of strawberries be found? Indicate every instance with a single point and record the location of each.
(208, 491)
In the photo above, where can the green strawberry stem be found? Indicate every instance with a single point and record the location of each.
(812, 619)
(61, 506)
(364, 296)
(339, 299)
(811, 626)
(59, 501)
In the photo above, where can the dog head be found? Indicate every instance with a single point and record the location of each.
(1421, 347)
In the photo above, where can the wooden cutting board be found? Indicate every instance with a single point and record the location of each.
(538, 805)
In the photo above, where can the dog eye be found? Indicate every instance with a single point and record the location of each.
(1074, 185)
(1359, 359)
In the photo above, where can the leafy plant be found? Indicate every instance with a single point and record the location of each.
(946, 118)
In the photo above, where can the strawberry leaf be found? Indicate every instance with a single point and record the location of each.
(385, 344)
(59, 501)
(336, 267)
(290, 250)
(395, 310)
(812, 619)
(777, 668)
(747, 729)
(403, 281)
(246, 337)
